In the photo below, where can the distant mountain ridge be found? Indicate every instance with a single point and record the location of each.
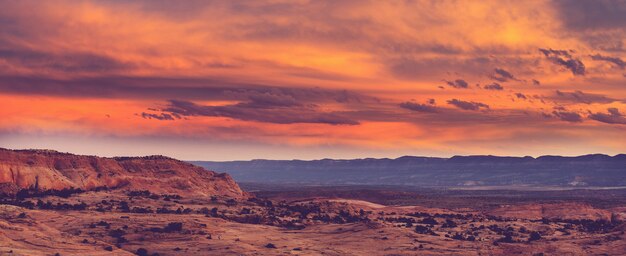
(486, 170)
(52, 170)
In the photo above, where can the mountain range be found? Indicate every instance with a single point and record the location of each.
(595, 170)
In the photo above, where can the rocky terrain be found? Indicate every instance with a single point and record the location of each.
(50, 170)
(148, 206)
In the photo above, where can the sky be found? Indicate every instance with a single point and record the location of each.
(236, 80)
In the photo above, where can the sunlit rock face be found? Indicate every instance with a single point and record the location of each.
(46, 170)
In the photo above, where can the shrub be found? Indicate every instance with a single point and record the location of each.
(141, 210)
(142, 252)
(429, 221)
(449, 224)
(506, 239)
(231, 202)
(424, 230)
(534, 236)
(117, 233)
(458, 236)
(121, 240)
(204, 210)
(124, 206)
(103, 223)
(173, 227)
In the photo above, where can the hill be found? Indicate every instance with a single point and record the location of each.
(50, 170)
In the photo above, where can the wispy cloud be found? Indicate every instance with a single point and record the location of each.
(269, 112)
(565, 59)
(612, 117)
(502, 75)
(468, 105)
(614, 60)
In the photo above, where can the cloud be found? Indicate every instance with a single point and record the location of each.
(179, 87)
(18, 56)
(414, 68)
(260, 112)
(613, 117)
(468, 105)
(595, 15)
(160, 116)
(418, 107)
(568, 116)
(581, 97)
(615, 60)
(273, 62)
(458, 83)
(502, 75)
(520, 95)
(493, 86)
(255, 102)
(536, 82)
(563, 58)
(270, 100)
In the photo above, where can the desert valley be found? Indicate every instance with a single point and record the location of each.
(62, 204)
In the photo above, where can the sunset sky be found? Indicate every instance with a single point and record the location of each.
(224, 80)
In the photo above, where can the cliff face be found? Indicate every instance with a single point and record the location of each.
(54, 170)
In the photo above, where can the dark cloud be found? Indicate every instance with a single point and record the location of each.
(160, 116)
(458, 83)
(468, 105)
(565, 59)
(493, 86)
(181, 88)
(552, 52)
(581, 97)
(502, 75)
(270, 100)
(425, 108)
(594, 15)
(613, 117)
(520, 95)
(262, 111)
(536, 82)
(615, 60)
(568, 116)
(66, 62)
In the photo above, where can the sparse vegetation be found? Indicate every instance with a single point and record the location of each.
(116, 216)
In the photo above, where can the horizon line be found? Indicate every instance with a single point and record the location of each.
(318, 159)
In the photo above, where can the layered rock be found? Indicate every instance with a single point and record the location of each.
(45, 170)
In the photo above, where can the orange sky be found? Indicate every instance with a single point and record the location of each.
(221, 80)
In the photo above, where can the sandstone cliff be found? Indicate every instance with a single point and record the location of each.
(46, 169)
